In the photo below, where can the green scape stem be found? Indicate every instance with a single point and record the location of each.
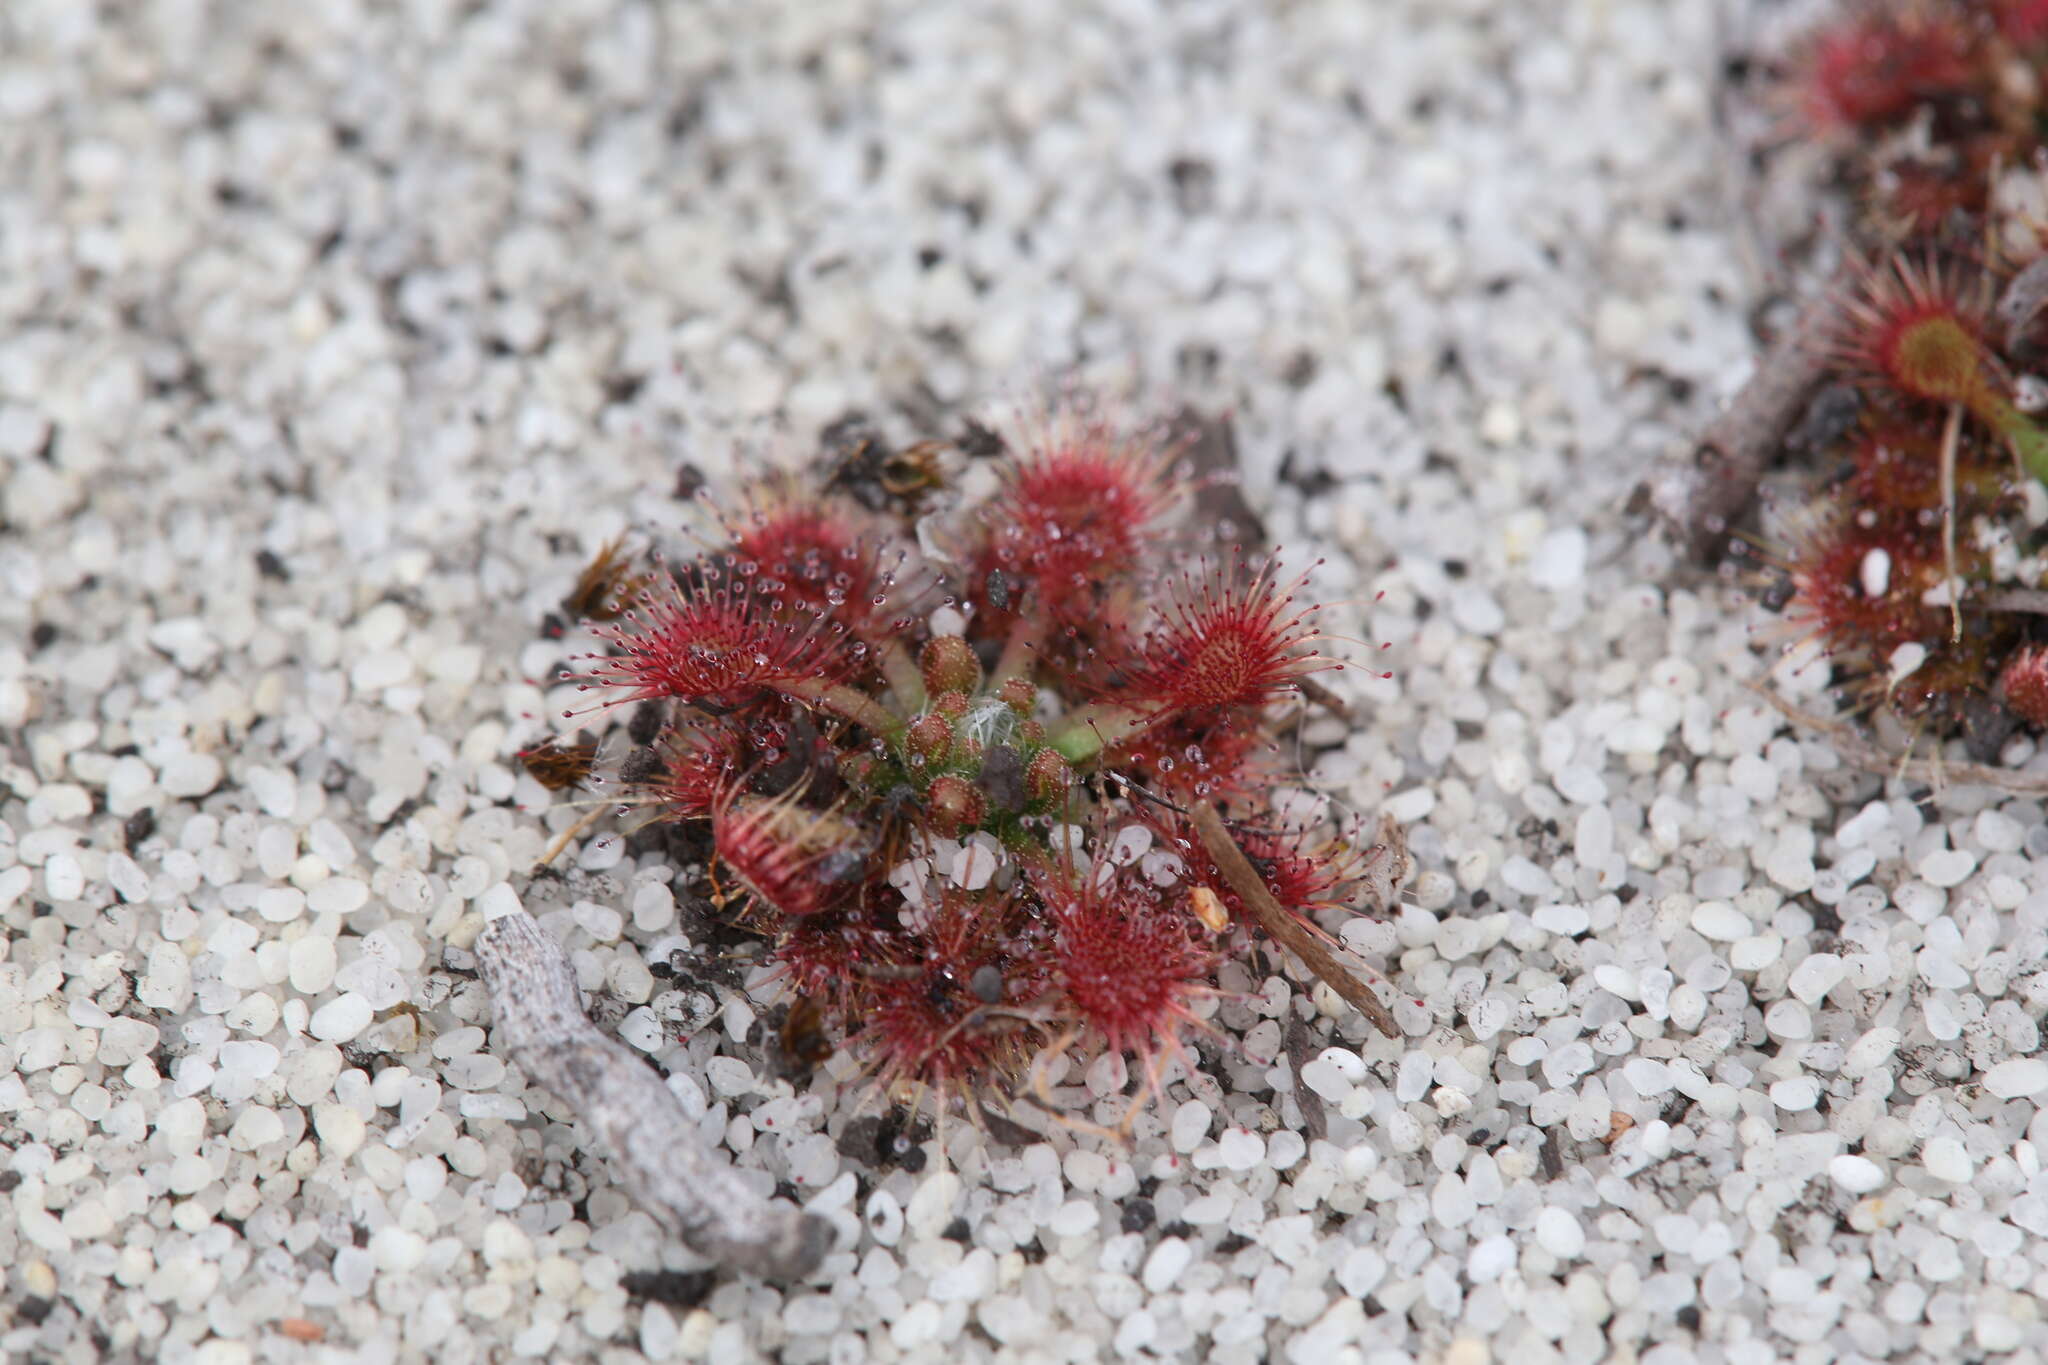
(900, 671)
(846, 703)
(1018, 650)
(1085, 733)
(2029, 443)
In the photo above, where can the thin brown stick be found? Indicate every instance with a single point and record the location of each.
(1951, 437)
(1284, 928)
(1311, 690)
(568, 836)
(1701, 494)
(2033, 601)
(1859, 752)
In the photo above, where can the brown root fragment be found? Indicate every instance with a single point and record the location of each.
(1283, 927)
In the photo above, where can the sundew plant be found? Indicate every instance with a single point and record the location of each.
(993, 782)
(1915, 560)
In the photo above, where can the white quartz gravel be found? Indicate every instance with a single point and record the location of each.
(335, 338)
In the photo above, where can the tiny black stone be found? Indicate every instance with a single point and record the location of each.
(271, 567)
(643, 765)
(43, 634)
(1002, 778)
(33, 1310)
(1689, 1318)
(957, 1231)
(987, 983)
(1138, 1215)
(977, 442)
(645, 724)
(1194, 184)
(138, 827)
(8, 1180)
(677, 1288)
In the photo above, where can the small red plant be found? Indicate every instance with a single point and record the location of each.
(914, 774)
(1076, 518)
(1128, 960)
(717, 638)
(2024, 684)
(1226, 642)
(1877, 66)
(1912, 332)
(793, 859)
(1896, 564)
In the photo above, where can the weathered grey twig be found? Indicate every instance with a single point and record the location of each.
(634, 1120)
(1702, 494)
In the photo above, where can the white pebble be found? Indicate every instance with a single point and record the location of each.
(275, 789)
(884, 1218)
(340, 1127)
(190, 775)
(2017, 1077)
(1856, 1174)
(341, 1018)
(1558, 1232)
(1190, 1126)
(1947, 867)
(1945, 1159)
(1870, 1051)
(63, 878)
(1073, 1218)
(1164, 1265)
(1559, 560)
(1816, 975)
(313, 960)
(1566, 921)
(931, 1205)
(1452, 1202)
(1721, 921)
(729, 1076)
(1241, 1148)
(1796, 1094)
